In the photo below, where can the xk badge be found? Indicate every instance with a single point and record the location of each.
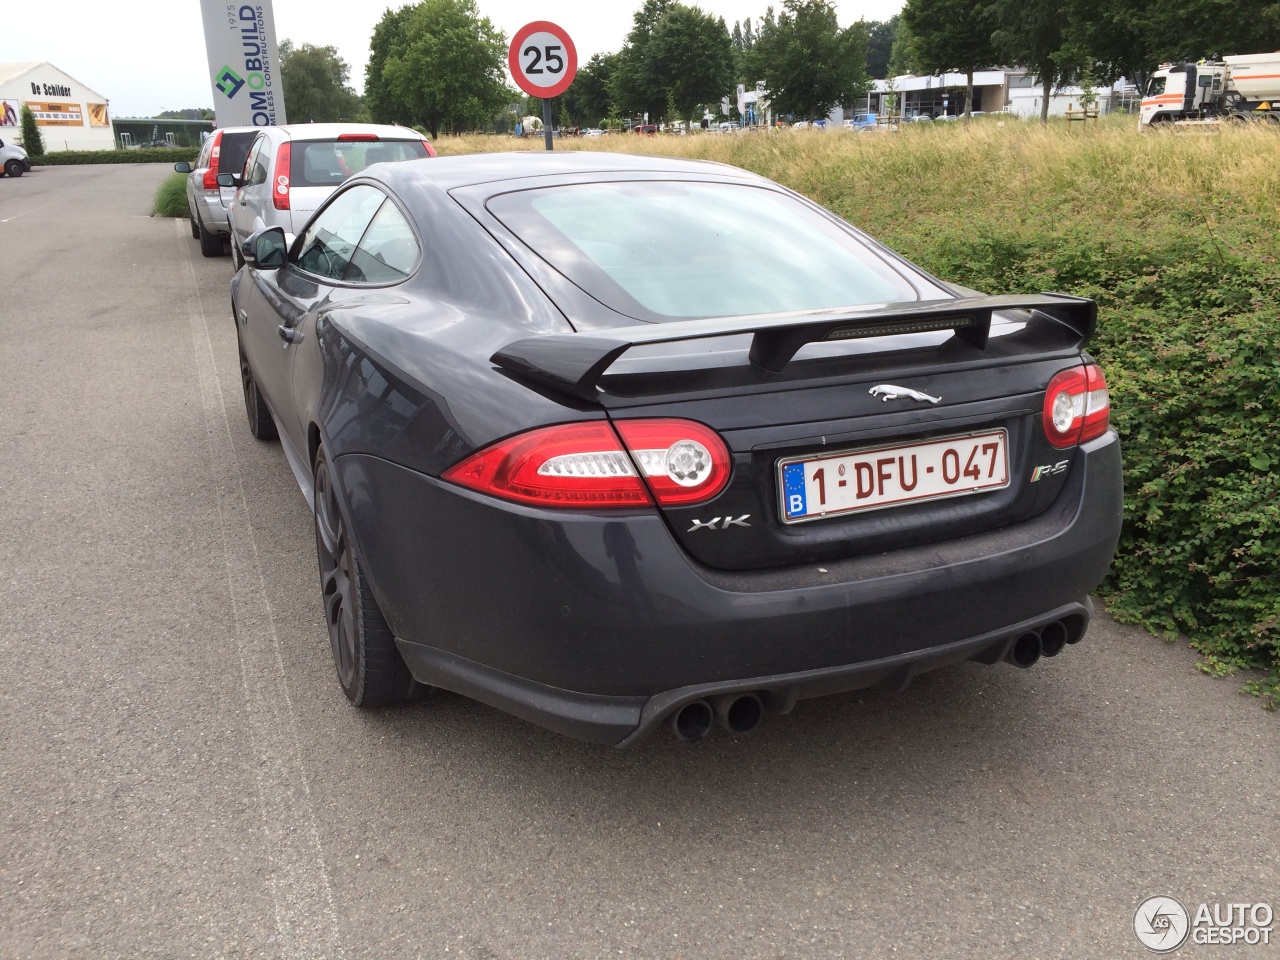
(720, 523)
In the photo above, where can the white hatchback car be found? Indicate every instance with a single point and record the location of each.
(292, 169)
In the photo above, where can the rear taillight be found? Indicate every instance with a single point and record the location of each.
(358, 137)
(1077, 407)
(431, 151)
(211, 174)
(586, 465)
(280, 185)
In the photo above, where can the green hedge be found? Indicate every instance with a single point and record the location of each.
(146, 155)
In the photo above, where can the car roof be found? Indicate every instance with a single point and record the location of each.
(331, 131)
(470, 170)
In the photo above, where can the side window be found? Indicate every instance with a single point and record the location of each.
(387, 252)
(330, 241)
(257, 161)
(247, 173)
(205, 150)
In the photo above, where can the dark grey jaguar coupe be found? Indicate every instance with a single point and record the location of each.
(612, 442)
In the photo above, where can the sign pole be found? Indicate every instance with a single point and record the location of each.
(546, 124)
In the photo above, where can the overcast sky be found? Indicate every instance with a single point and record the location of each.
(149, 56)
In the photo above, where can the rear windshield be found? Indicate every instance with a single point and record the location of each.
(326, 163)
(233, 148)
(661, 249)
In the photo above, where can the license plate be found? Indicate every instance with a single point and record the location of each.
(879, 477)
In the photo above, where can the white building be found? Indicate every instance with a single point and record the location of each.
(70, 115)
(1014, 91)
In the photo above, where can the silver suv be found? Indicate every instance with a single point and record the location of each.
(206, 201)
(292, 169)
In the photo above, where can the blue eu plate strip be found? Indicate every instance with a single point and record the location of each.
(793, 490)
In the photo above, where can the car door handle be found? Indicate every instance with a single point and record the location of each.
(289, 334)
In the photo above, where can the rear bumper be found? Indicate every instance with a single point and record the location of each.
(598, 626)
(212, 213)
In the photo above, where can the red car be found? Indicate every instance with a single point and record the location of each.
(647, 128)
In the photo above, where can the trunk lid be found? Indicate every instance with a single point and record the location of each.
(825, 402)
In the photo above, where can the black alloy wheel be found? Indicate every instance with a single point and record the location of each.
(260, 423)
(13, 168)
(370, 670)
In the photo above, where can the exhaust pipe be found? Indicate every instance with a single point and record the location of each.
(1026, 650)
(691, 722)
(738, 713)
(1053, 638)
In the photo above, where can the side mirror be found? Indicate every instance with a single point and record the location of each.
(267, 249)
(182, 166)
(229, 180)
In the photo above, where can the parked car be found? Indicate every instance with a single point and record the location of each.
(292, 169)
(13, 158)
(554, 468)
(207, 202)
(862, 121)
(646, 128)
(593, 132)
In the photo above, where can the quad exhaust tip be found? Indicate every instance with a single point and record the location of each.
(738, 713)
(691, 722)
(1026, 650)
(1053, 638)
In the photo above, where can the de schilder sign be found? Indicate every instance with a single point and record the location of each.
(244, 63)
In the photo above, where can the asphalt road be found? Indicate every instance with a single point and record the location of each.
(180, 774)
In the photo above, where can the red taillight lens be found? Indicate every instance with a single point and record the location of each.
(357, 137)
(280, 185)
(1077, 407)
(211, 174)
(682, 462)
(431, 151)
(585, 465)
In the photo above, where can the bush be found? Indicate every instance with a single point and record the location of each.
(1174, 235)
(146, 155)
(171, 197)
(32, 142)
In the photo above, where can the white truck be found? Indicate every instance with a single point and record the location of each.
(1246, 86)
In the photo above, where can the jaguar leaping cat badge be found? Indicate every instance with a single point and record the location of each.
(887, 392)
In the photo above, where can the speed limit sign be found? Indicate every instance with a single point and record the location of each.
(542, 59)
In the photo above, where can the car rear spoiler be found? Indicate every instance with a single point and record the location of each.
(574, 362)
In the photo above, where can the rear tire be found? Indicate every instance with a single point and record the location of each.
(369, 667)
(13, 168)
(195, 228)
(260, 423)
(210, 243)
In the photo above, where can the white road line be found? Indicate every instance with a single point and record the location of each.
(303, 898)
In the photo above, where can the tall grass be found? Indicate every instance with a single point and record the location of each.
(171, 197)
(1175, 234)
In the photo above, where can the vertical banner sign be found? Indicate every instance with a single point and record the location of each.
(543, 62)
(244, 63)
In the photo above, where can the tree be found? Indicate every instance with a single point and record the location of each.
(387, 40)
(442, 64)
(315, 84)
(1036, 34)
(951, 35)
(692, 54)
(32, 142)
(809, 64)
(587, 99)
(191, 113)
(880, 34)
(634, 87)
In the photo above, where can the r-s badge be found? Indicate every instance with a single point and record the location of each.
(1049, 470)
